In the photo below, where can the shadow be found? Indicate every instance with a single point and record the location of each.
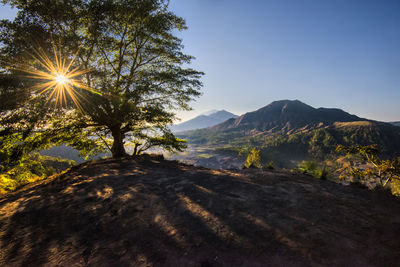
(146, 212)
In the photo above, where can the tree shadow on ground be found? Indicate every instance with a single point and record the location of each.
(148, 212)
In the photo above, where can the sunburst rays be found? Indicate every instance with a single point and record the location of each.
(58, 77)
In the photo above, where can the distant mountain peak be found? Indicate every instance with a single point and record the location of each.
(216, 111)
(209, 112)
(284, 104)
(223, 114)
(214, 117)
(286, 101)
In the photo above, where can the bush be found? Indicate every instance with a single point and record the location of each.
(307, 167)
(314, 169)
(253, 159)
(384, 171)
(270, 165)
(31, 169)
(322, 173)
(19, 175)
(395, 187)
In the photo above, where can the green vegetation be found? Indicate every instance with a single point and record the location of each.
(386, 172)
(288, 149)
(253, 159)
(395, 187)
(314, 151)
(92, 75)
(33, 167)
(123, 76)
(270, 165)
(318, 170)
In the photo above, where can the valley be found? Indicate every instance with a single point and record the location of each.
(288, 132)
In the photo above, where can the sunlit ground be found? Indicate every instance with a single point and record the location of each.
(148, 213)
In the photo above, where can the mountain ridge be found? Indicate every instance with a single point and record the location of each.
(286, 116)
(204, 120)
(289, 131)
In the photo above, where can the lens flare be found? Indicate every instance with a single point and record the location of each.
(61, 79)
(57, 77)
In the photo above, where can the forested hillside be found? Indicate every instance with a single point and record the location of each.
(291, 130)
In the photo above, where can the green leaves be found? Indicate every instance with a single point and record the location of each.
(253, 160)
(382, 170)
(32, 168)
(134, 71)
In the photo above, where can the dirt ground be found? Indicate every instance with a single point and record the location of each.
(149, 212)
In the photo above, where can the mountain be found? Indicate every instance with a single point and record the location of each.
(286, 116)
(396, 123)
(203, 121)
(64, 152)
(153, 212)
(67, 152)
(289, 131)
(209, 112)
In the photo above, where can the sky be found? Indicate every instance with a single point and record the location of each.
(338, 53)
(326, 53)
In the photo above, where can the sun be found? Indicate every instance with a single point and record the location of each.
(59, 77)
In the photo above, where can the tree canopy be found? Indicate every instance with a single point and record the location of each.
(92, 74)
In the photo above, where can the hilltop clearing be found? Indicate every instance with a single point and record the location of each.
(152, 212)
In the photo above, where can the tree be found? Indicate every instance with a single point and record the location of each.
(384, 170)
(99, 73)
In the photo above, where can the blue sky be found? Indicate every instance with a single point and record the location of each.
(326, 53)
(338, 53)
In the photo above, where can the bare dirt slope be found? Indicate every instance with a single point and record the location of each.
(149, 212)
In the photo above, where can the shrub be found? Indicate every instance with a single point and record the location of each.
(271, 165)
(253, 159)
(307, 166)
(314, 169)
(395, 186)
(386, 172)
(323, 173)
(32, 168)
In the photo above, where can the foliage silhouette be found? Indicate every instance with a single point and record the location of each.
(132, 70)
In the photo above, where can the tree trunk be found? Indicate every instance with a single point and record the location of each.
(117, 148)
(135, 150)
